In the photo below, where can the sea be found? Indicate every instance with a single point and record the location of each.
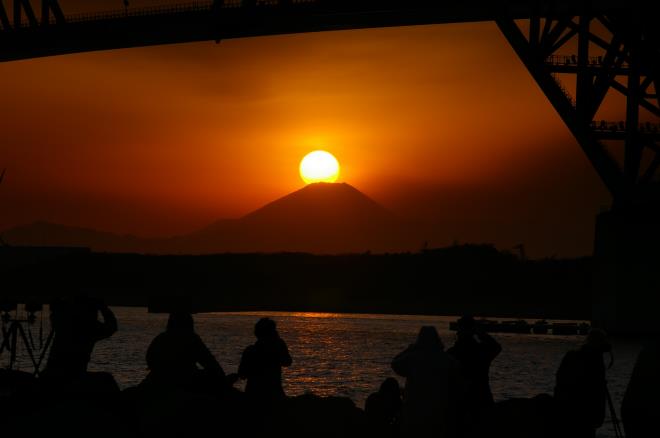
(345, 354)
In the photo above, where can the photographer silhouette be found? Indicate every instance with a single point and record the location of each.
(77, 329)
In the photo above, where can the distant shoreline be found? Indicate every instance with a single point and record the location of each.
(474, 279)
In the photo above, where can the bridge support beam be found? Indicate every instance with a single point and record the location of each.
(626, 294)
(23, 9)
(20, 7)
(4, 19)
(616, 53)
(611, 54)
(49, 7)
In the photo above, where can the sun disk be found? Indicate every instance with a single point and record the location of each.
(319, 166)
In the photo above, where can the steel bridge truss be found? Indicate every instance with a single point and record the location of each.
(23, 12)
(606, 53)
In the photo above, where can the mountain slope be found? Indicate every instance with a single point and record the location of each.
(50, 234)
(320, 218)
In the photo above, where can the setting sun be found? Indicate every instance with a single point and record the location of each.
(319, 166)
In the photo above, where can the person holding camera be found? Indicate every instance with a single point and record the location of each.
(475, 350)
(77, 329)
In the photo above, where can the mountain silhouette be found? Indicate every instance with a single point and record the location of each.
(43, 233)
(320, 218)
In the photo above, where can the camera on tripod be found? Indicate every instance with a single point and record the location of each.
(6, 307)
(18, 320)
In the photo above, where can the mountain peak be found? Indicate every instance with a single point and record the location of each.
(322, 202)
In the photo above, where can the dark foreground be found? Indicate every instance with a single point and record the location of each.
(94, 406)
(447, 391)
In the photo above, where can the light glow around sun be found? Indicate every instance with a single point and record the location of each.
(319, 166)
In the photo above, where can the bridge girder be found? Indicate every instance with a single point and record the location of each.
(612, 53)
(22, 9)
(205, 20)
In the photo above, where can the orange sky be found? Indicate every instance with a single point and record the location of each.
(439, 122)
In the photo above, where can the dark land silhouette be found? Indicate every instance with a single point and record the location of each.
(477, 279)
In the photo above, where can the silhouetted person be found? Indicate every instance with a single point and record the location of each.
(580, 391)
(430, 391)
(174, 355)
(262, 362)
(475, 350)
(76, 330)
(640, 410)
(383, 408)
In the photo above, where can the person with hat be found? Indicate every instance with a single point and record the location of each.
(475, 350)
(580, 390)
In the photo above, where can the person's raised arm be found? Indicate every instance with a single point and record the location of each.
(109, 325)
(285, 357)
(153, 354)
(206, 359)
(491, 347)
(245, 367)
(401, 362)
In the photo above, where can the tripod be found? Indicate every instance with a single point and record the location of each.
(16, 332)
(618, 433)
